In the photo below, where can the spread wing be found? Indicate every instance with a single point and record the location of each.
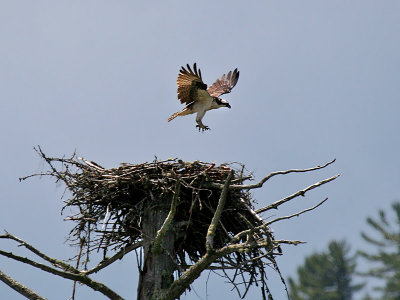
(189, 82)
(225, 84)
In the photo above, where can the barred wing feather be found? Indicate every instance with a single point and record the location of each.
(225, 84)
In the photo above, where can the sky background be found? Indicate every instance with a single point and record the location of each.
(318, 80)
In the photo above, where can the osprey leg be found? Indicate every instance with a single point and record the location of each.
(201, 126)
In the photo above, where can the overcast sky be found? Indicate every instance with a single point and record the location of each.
(318, 80)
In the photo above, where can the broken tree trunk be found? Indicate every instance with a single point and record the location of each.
(156, 275)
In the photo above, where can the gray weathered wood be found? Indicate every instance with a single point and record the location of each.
(158, 267)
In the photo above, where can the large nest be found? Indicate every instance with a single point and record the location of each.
(111, 208)
(111, 202)
(107, 206)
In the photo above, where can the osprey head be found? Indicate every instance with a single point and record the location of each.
(218, 102)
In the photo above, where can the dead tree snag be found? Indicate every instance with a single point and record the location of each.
(186, 217)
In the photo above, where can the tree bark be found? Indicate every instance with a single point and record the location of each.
(156, 275)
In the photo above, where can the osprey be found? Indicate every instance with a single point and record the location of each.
(193, 92)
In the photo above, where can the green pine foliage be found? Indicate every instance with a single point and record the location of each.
(387, 255)
(326, 276)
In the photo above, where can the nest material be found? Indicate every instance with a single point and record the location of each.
(107, 207)
(111, 202)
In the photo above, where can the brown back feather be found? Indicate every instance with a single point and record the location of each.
(188, 84)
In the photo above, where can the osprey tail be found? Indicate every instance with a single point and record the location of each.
(183, 112)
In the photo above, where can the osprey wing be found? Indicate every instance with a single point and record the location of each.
(189, 82)
(225, 84)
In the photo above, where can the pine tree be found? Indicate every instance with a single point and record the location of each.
(387, 256)
(326, 275)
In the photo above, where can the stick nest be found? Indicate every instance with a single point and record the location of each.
(111, 202)
(107, 206)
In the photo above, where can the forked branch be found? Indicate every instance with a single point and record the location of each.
(72, 273)
(296, 214)
(55, 262)
(276, 204)
(112, 259)
(269, 176)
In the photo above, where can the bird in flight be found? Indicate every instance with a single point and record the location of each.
(198, 99)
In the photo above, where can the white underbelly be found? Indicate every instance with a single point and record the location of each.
(201, 106)
(204, 101)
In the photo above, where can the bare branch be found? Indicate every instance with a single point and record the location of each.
(257, 258)
(97, 286)
(217, 215)
(55, 262)
(297, 214)
(92, 164)
(289, 242)
(167, 223)
(269, 176)
(299, 193)
(261, 243)
(243, 233)
(77, 266)
(187, 278)
(112, 259)
(20, 288)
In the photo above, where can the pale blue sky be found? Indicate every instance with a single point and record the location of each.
(318, 80)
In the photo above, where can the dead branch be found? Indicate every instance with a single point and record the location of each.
(20, 288)
(297, 214)
(217, 215)
(72, 274)
(276, 204)
(289, 242)
(58, 263)
(109, 261)
(78, 260)
(168, 221)
(269, 176)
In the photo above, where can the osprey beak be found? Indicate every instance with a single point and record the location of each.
(228, 105)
